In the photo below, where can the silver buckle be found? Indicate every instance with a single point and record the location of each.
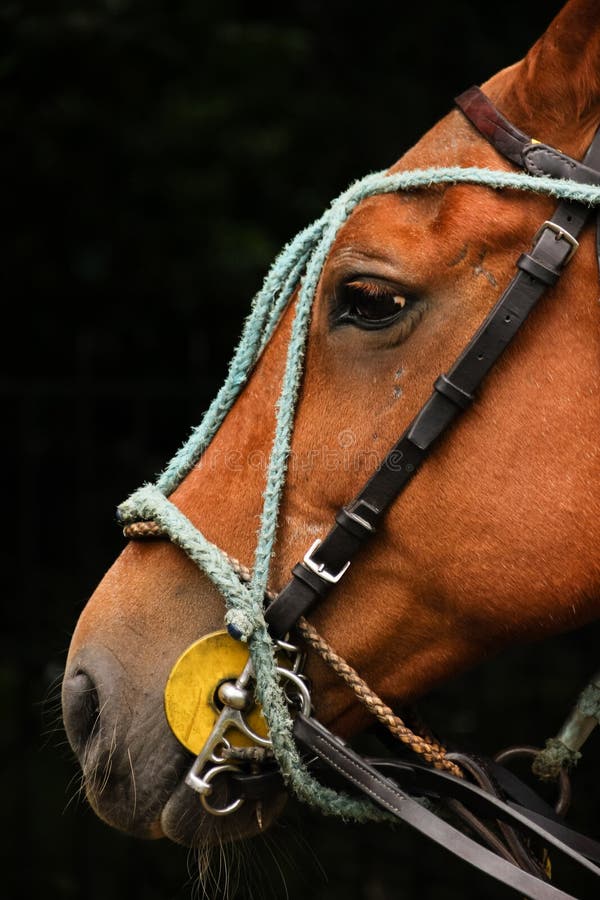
(319, 568)
(561, 235)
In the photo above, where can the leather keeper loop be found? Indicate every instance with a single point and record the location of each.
(450, 390)
(311, 579)
(354, 524)
(537, 270)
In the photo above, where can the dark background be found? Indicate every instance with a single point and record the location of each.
(156, 156)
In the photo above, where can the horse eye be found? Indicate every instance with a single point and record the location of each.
(370, 304)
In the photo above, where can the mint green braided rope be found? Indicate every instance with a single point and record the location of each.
(299, 265)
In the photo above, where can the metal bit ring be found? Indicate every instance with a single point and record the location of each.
(231, 807)
(563, 783)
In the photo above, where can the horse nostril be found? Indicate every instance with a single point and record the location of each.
(81, 710)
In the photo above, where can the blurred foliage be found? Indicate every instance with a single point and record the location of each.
(155, 157)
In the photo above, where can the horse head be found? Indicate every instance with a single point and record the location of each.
(493, 542)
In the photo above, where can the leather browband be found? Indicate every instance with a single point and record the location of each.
(534, 156)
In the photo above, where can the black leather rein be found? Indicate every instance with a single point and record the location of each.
(325, 565)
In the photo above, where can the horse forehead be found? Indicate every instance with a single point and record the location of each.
(450, 141)
(382, 224)
(410, 234)
(383, 218)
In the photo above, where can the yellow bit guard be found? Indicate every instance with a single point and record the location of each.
(191, 690)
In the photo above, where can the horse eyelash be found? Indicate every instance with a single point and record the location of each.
(372, 289)
(376, 291)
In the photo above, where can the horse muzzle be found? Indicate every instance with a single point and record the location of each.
(119, 743)
(134, 768)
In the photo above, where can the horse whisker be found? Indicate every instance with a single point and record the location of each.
(133, 785)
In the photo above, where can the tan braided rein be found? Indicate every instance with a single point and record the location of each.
(426, 746)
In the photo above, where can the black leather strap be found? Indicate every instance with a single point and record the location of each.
(365, 778)
(537, 269)
(510, 794)
(552, 248)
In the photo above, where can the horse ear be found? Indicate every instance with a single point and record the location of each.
(554, 92)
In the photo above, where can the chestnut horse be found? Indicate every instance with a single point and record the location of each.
(506, 507)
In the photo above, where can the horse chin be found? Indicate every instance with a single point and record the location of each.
(169, 808)
(129, 804)
(184, 821)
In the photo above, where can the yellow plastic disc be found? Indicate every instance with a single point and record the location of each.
(191, 690)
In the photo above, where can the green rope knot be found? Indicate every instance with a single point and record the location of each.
(555, 756)
(589, 701)
(240, 624)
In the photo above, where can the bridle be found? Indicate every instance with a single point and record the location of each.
(489, 791)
